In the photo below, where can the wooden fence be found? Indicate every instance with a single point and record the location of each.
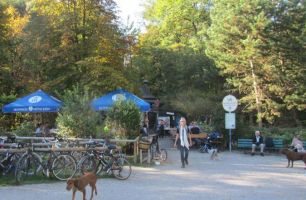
(38, 141)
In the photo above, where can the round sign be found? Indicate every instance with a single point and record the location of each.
(35, 99)
(118, 97)
(230, 103)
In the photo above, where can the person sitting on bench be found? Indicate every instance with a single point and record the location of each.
(194, 129)
(297, 144)
(257, 141)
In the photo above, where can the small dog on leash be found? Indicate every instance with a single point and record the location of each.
(81, 183)
(213, 154)
(293, 156)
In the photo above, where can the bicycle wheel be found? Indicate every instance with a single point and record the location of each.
(89, 164)
(8, 163)
(64, 167)
(28, 165)
(121, 169)
(163, 155)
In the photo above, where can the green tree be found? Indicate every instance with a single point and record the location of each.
(171, 54)
(4, 69)
(124, 119)
(55, 44)
(198, 105)
(247, 40)
(3, 34)
(11, 27)
(287, 39)
(177, 24)
(235, 42)
(77, 118)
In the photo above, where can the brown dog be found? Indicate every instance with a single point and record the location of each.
(293, 156)
(80, 184)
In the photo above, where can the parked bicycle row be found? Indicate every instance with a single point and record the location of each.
(63, 163)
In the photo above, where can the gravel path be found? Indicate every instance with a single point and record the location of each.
(235, 176)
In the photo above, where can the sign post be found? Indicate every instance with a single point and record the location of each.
(230, 104)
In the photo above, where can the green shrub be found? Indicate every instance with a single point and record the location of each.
(77, 118)
(206, 127)
(124, 119)
(25, 129)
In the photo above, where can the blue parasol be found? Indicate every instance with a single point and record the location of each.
(38, 101)
(107, 101)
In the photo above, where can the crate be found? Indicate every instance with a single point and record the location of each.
(144, 145)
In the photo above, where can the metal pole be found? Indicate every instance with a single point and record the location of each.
(230, 140)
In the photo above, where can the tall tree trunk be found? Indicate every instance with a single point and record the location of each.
(257, 96)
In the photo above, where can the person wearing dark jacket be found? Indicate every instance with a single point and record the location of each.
(183, 134)
(257, 141)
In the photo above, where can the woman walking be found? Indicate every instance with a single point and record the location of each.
(185, 141)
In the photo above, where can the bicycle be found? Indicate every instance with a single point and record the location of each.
(109, 161)
(156, 152)
(62, 166)
(8, 162)
(8, 159)
(207, 144)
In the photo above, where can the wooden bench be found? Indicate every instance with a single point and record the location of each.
(199, 136)
(278, 143)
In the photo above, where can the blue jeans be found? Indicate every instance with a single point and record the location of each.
(184, 154)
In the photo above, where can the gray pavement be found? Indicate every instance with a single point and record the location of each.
(235, 176)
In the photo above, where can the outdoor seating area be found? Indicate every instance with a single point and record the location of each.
(152, 99)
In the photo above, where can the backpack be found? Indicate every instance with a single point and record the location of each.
(269, 142)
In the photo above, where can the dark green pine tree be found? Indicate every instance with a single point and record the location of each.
(236, 44)
(286, 35)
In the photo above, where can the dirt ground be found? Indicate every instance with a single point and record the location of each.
(234, 176)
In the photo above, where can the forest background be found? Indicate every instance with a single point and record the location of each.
(193, 53)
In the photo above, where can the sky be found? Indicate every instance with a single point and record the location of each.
(132, 9)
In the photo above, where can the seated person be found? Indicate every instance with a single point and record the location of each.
(38, 131)
(46, 131)
(257, 141)
(194, 129)
(297, 144)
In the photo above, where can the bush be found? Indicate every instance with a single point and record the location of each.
(25, 129)
(7, 122)
(124, 119)
(77, 118)
(206, 127)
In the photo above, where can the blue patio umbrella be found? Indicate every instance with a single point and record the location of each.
(38, 101)
(107, 101)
